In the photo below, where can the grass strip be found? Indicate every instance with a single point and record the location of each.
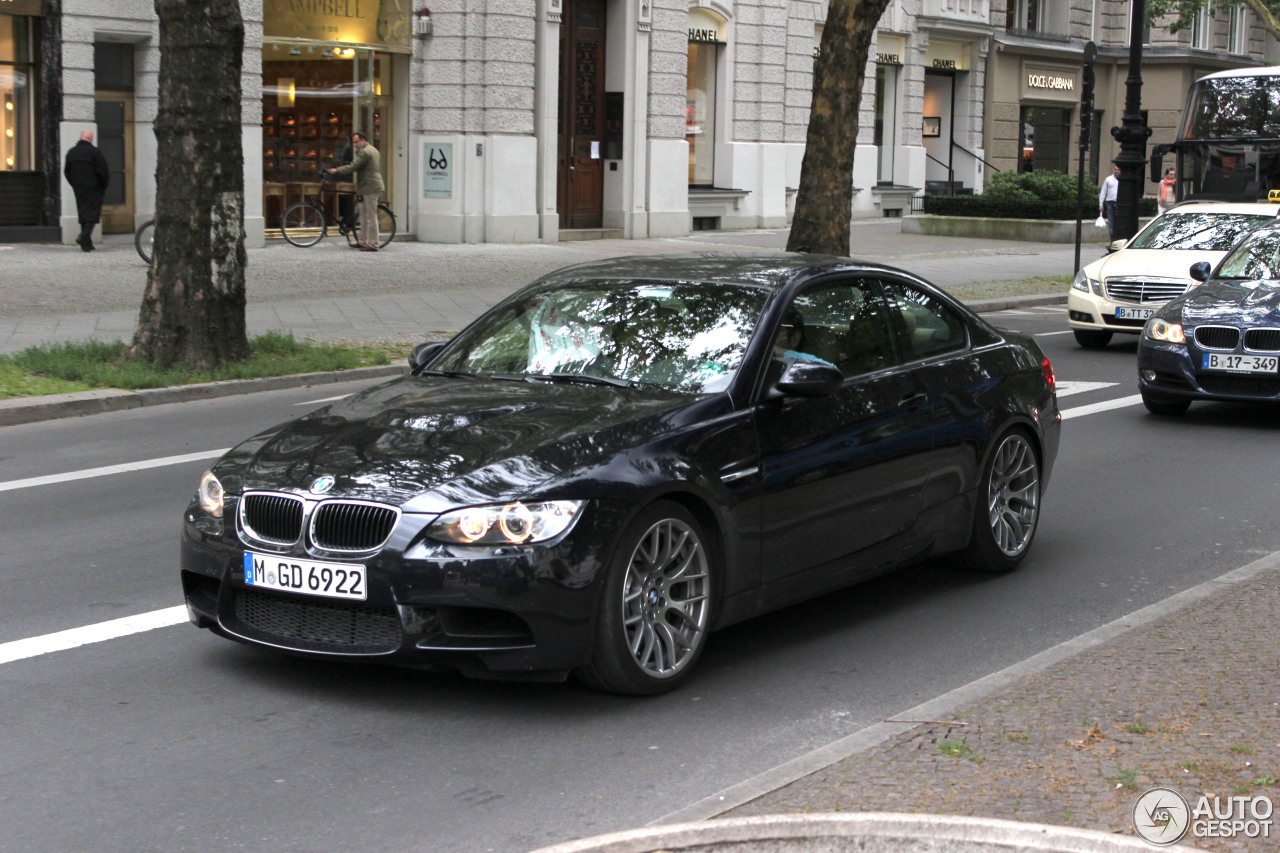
(88, 365)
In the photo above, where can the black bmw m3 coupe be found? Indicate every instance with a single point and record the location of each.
(621, 458)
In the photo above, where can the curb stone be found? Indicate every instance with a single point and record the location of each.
(25, 410)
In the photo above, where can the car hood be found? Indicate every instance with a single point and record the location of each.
(1235, 302)
(450, 441)
(1150, 264)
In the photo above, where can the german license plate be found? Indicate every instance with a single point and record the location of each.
(1134, 313)
(1239, 363)
(330, 580)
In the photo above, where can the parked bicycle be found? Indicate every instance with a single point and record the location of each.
(143, 239)
(306, 222)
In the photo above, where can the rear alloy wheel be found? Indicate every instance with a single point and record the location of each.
(655, 612)
(1091, 340)
(1165, 405)
(1004, 527)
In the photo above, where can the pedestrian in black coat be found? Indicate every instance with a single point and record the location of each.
(86, 171)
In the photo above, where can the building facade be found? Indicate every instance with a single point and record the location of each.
(1035, 77)
(541, 120)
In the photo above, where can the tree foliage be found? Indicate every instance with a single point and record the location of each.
(1176, 15)
(824, 202)
(193, 309)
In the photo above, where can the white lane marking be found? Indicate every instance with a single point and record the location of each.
(325, 400)
(70, 639)
(75, 637)
(107, 470)
(1047, 334)
(1066, 389)
(1107, 405)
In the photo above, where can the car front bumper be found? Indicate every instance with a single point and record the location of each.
(1168, 371)
(515, 611)
(1088, 312)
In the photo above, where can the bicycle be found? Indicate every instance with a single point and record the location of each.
(306, 222)
(143, 239)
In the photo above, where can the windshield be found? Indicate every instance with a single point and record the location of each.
(683, 336)
(1197, 231)
(1233, 107)
(1257, 256)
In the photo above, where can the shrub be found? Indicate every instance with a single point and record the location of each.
(1030, 195)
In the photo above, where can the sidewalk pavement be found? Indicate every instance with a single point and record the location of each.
(1184, 694)
(413, 292)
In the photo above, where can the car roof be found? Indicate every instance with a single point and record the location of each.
(1245, 207)
(762, 270)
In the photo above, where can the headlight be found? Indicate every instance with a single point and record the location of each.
(1163, 330)
(1081, 282)
(505, 524)
(210, 495)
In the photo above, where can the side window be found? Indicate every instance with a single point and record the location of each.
(931, 327)
(844, 323)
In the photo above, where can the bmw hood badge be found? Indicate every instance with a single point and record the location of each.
(322, 485)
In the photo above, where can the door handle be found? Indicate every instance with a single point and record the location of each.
(913, 401)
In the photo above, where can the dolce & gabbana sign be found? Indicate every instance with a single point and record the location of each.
(1042, 82)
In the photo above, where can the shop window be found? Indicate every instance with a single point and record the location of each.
(1045, 143)
(313, 97)
(18, 76)
(886, 112)
(706, 37)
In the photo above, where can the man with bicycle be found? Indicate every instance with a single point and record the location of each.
(366, 165)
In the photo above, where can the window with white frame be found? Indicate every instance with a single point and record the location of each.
(1238, 34)
(1202, 27)
(1146, 27)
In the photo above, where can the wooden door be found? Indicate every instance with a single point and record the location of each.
(580, 183)
(113, 112)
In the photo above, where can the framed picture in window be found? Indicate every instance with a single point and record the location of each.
(932, 125)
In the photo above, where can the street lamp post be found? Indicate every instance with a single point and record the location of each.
(1132, 133)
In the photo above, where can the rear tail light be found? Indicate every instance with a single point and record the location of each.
(1048, 375)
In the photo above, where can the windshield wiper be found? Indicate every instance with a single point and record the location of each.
(452, 374)
(585, 379)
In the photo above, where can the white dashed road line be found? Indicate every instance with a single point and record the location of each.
(73, 637)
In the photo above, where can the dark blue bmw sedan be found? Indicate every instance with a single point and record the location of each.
(1221, 340)
(623, 457)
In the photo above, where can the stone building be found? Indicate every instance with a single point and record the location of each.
(544, 120)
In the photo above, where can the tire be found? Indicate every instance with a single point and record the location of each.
(386, 225)
(303, 224)
(1008, 513)
(1091, 339)
(654, 612)
(144, 239)
(1165, 406)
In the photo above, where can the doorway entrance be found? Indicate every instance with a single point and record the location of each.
(113, 113)
(580, 170)
(313, 97)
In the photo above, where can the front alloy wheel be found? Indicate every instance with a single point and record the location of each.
(656, 610)
(1003, 532)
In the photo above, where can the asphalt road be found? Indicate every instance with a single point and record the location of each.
(174, 740)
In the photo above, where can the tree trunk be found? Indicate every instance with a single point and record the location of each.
(193, 310)
(824, 203)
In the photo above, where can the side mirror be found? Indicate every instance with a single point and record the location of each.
(422, 355)
(1117, 245)
(1200, 271)
(810, 379)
